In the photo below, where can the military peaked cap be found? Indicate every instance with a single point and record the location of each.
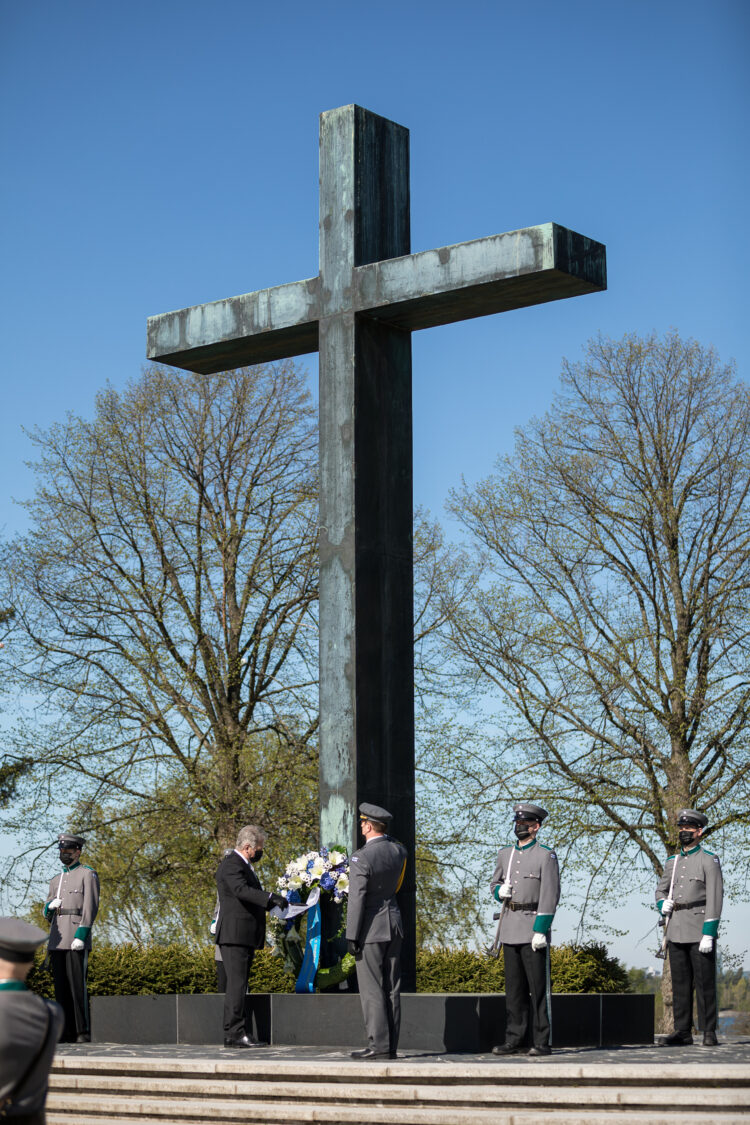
(19, 940)
(692, 817)
(65, 840)
(374, 812)
(526, 811)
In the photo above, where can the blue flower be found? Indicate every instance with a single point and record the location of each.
(327, 882)
(293, 896)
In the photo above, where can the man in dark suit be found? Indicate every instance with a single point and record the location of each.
(30, 1027)
(374, 931)
(241, 927)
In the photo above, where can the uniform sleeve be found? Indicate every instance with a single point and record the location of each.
(355, 910)
(662, 887)
(549, 894)
(714, 896)
(498, 875)
(90, 904)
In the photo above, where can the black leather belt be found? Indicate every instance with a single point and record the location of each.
(522, 905)
(688, 905)
(68, 911)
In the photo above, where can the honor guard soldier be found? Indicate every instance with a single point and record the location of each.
(689, 896)
(374, 931)
(71, 907)
(526, 881)
(30, 1027)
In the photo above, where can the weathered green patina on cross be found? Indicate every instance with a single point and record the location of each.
(358, 313)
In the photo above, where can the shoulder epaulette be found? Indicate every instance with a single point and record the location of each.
(87, 867)
(707, 852)
(546, 847)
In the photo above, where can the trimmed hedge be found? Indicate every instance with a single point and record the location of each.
(128, 970)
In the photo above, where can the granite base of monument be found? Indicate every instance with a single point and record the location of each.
(450, 1022)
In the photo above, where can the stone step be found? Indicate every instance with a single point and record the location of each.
(500, 1094)
(323, 1071)
(260, 1114)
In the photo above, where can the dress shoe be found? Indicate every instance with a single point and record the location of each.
(677, 1039)
(537, 1051)
(508, 1049)
(243, 1041)
(368, 1053)
(84, 1037)
(709, 1039)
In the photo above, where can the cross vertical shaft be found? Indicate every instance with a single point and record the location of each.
(366, 600)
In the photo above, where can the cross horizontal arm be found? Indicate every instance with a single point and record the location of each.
(469, 279)
(488, 275)
(253, 328)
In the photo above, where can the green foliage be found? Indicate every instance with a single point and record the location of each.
(587, 968)
(130, 970)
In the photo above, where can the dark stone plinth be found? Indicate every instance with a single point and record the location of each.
(440, 1022)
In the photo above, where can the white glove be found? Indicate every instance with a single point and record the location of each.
(212, 927)
(54, 904)
(76, 943)
(538, 942)
(667, 906)
(505, 891)
(706, 944)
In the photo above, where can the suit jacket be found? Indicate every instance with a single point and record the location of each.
(29, 1029)
(698, 885)
(375, 874)
(533, 872)
(242, 904)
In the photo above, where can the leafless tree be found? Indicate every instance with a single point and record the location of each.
(612, 618)
(165, 602)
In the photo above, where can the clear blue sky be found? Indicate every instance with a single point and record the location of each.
(160, 154)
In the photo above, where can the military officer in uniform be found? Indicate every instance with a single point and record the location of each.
(374, 931)
(71, 907)
(526, 881)
(689, 896)
(30, 1027)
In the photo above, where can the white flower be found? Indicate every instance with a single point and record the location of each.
(295, 882)
(342, 883)
(336, 858)
(318, 868)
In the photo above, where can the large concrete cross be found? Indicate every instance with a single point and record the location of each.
(358, 313)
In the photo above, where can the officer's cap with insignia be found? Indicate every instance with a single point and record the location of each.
(19, 940)
(692, 818)
(524, 810)
(66, 840)
(374, 812)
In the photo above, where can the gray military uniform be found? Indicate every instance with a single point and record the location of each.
(698, 894)
(29, 1030)
(373, 919)
(78, 887)
(533, 873)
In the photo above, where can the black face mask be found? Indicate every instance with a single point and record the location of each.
(522, 830)
(257, 857)
(66, 858)
(686, 838)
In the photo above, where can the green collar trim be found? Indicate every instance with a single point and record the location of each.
(13, 986)
(72, 866)
(524, 847)
(691, 851)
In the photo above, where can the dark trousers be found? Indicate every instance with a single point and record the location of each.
(237, 960)
(69, 971)
(692, 971)
(379, 982)
(526, 984)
